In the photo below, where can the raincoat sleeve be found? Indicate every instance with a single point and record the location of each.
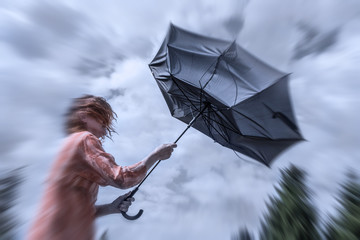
(108, 172)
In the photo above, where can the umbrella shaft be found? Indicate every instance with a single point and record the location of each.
(182, 133)
(137, 188)
(191, 123)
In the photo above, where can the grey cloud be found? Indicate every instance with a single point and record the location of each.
(58, 19)
(26, 41)
(234, 24)
(177, 185)
(138, 46)
(98, 55)
(95, 68)
(208, 20)
(101, 51)
(48, 24)
(179, 180)
(313, 41)
(113, 93)
(218, 170)
(56, 26)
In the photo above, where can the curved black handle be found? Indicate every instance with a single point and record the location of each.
(128, 217)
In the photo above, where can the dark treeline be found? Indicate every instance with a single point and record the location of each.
(9, 183)
(291, 215)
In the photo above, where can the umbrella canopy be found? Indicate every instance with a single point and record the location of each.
(243, 103)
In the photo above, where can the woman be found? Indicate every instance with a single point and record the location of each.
(68, 210)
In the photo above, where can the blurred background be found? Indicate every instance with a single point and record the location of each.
(53, 51)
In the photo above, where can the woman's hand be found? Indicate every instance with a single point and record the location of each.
(164, 151)
(120, 204)
(160, 153)
(117, 206)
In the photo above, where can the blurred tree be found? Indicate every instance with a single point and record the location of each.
(9, 183)
(291, 215)
(242, 235)
(346, 224)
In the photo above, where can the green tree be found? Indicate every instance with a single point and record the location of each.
(290, 215)
(243, 234)
(9, 183)
(346, 224)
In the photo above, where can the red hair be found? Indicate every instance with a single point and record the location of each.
(96, 107)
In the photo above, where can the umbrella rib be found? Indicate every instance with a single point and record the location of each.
(235, 131)
(207, 70)
(212, 64)
(208, 119)
(261, 156)
(212, 136)
(209, 122)
(236, 85)
(223, 125)
(213, 73)
(201, 87)
(184, 93)
(228, 128)
(220, 124)
(251, 120)
(214, 120)
(283, 118)
(217, 63)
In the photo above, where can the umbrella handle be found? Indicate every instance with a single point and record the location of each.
(128, 217)
(125, 215)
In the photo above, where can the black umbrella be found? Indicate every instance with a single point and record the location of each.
(225, 92)
(244, 102)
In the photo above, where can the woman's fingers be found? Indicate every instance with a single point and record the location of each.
(164, 151)
(124, 205)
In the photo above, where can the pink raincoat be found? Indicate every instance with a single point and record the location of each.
(67, 210)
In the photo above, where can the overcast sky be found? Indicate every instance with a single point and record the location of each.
(54, 51)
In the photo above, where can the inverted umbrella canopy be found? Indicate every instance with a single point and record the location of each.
(226, 93)
(243, 103)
